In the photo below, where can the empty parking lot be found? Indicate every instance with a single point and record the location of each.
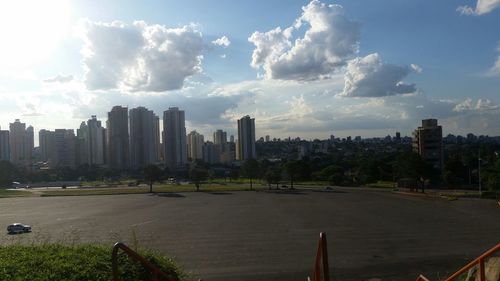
(273, 236)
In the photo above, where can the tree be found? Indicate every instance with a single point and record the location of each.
(251, 169)
(273, 177)
(152, 173)
(8, 173)
(333, 173)
(198, 175)
(455, 171)
(292, 168)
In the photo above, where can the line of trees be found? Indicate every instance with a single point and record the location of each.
(342, 167)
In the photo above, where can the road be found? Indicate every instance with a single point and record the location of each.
(272, 236)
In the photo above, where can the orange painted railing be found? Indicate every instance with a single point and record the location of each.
(321, 259)
(155, 270)
(478, 261)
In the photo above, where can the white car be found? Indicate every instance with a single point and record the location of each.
(18, 228)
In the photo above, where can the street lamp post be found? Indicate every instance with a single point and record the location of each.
(479, 172)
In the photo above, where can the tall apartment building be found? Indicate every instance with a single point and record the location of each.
(195, 145)
(210, 154)
(174, 138)
(21, 142)
(58, 148)
(144, 137)
(428, 142)
(91, 147)
(225, 150)
(4, 145)
(82, 135)
(117, 138)
(246, 139)
(97, 141)
(64, 148)
(220, 137)
(46, 144)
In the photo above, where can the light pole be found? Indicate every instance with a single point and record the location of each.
(479, 171)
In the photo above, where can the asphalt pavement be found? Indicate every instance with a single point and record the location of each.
(251, 235)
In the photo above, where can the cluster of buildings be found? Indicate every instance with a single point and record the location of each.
(131, 139)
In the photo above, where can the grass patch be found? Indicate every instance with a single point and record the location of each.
(382, 184)
(315, 183)
(158, 188)
(82, 262)
(5, 193)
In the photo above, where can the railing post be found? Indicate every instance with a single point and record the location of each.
(326, 270)
(321, 259)
(114, 261)
(155, 274)
(482, 276)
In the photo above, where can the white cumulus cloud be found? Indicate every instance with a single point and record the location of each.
(482, 7)
(329, 40)
(480, 105)
(495, 69)
(223, 42)
(59, 78)
(140, 57)
(370, 77)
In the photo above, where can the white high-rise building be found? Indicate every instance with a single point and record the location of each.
(246, 139)
(144, 137)
(117, 138)
(174, 138)
(21, 141)
(195, 145)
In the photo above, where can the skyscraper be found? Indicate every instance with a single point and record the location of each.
(428, 143)
(58, 148)
(96, 143)
(220, 137)
(195, 145)
(246, 138)
(4, 145)
(223, 149)
(46, 144)
(82, 136)
(210, 155)
(117, 138)
(64, 154)
(21, 141)
(91, 143)
(144, 137)
(174, 138)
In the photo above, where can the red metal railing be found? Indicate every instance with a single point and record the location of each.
(478, 261)
(156, 271)
(321, 259)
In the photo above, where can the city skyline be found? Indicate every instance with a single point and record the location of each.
(442, 61)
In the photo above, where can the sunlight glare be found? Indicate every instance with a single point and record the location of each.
(30, 30)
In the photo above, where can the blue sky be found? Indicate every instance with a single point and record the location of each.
(301, 68)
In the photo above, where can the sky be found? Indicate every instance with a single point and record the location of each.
(301, 68)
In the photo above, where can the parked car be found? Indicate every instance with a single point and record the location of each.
(18, 228)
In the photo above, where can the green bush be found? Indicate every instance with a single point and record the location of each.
(82, 262)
